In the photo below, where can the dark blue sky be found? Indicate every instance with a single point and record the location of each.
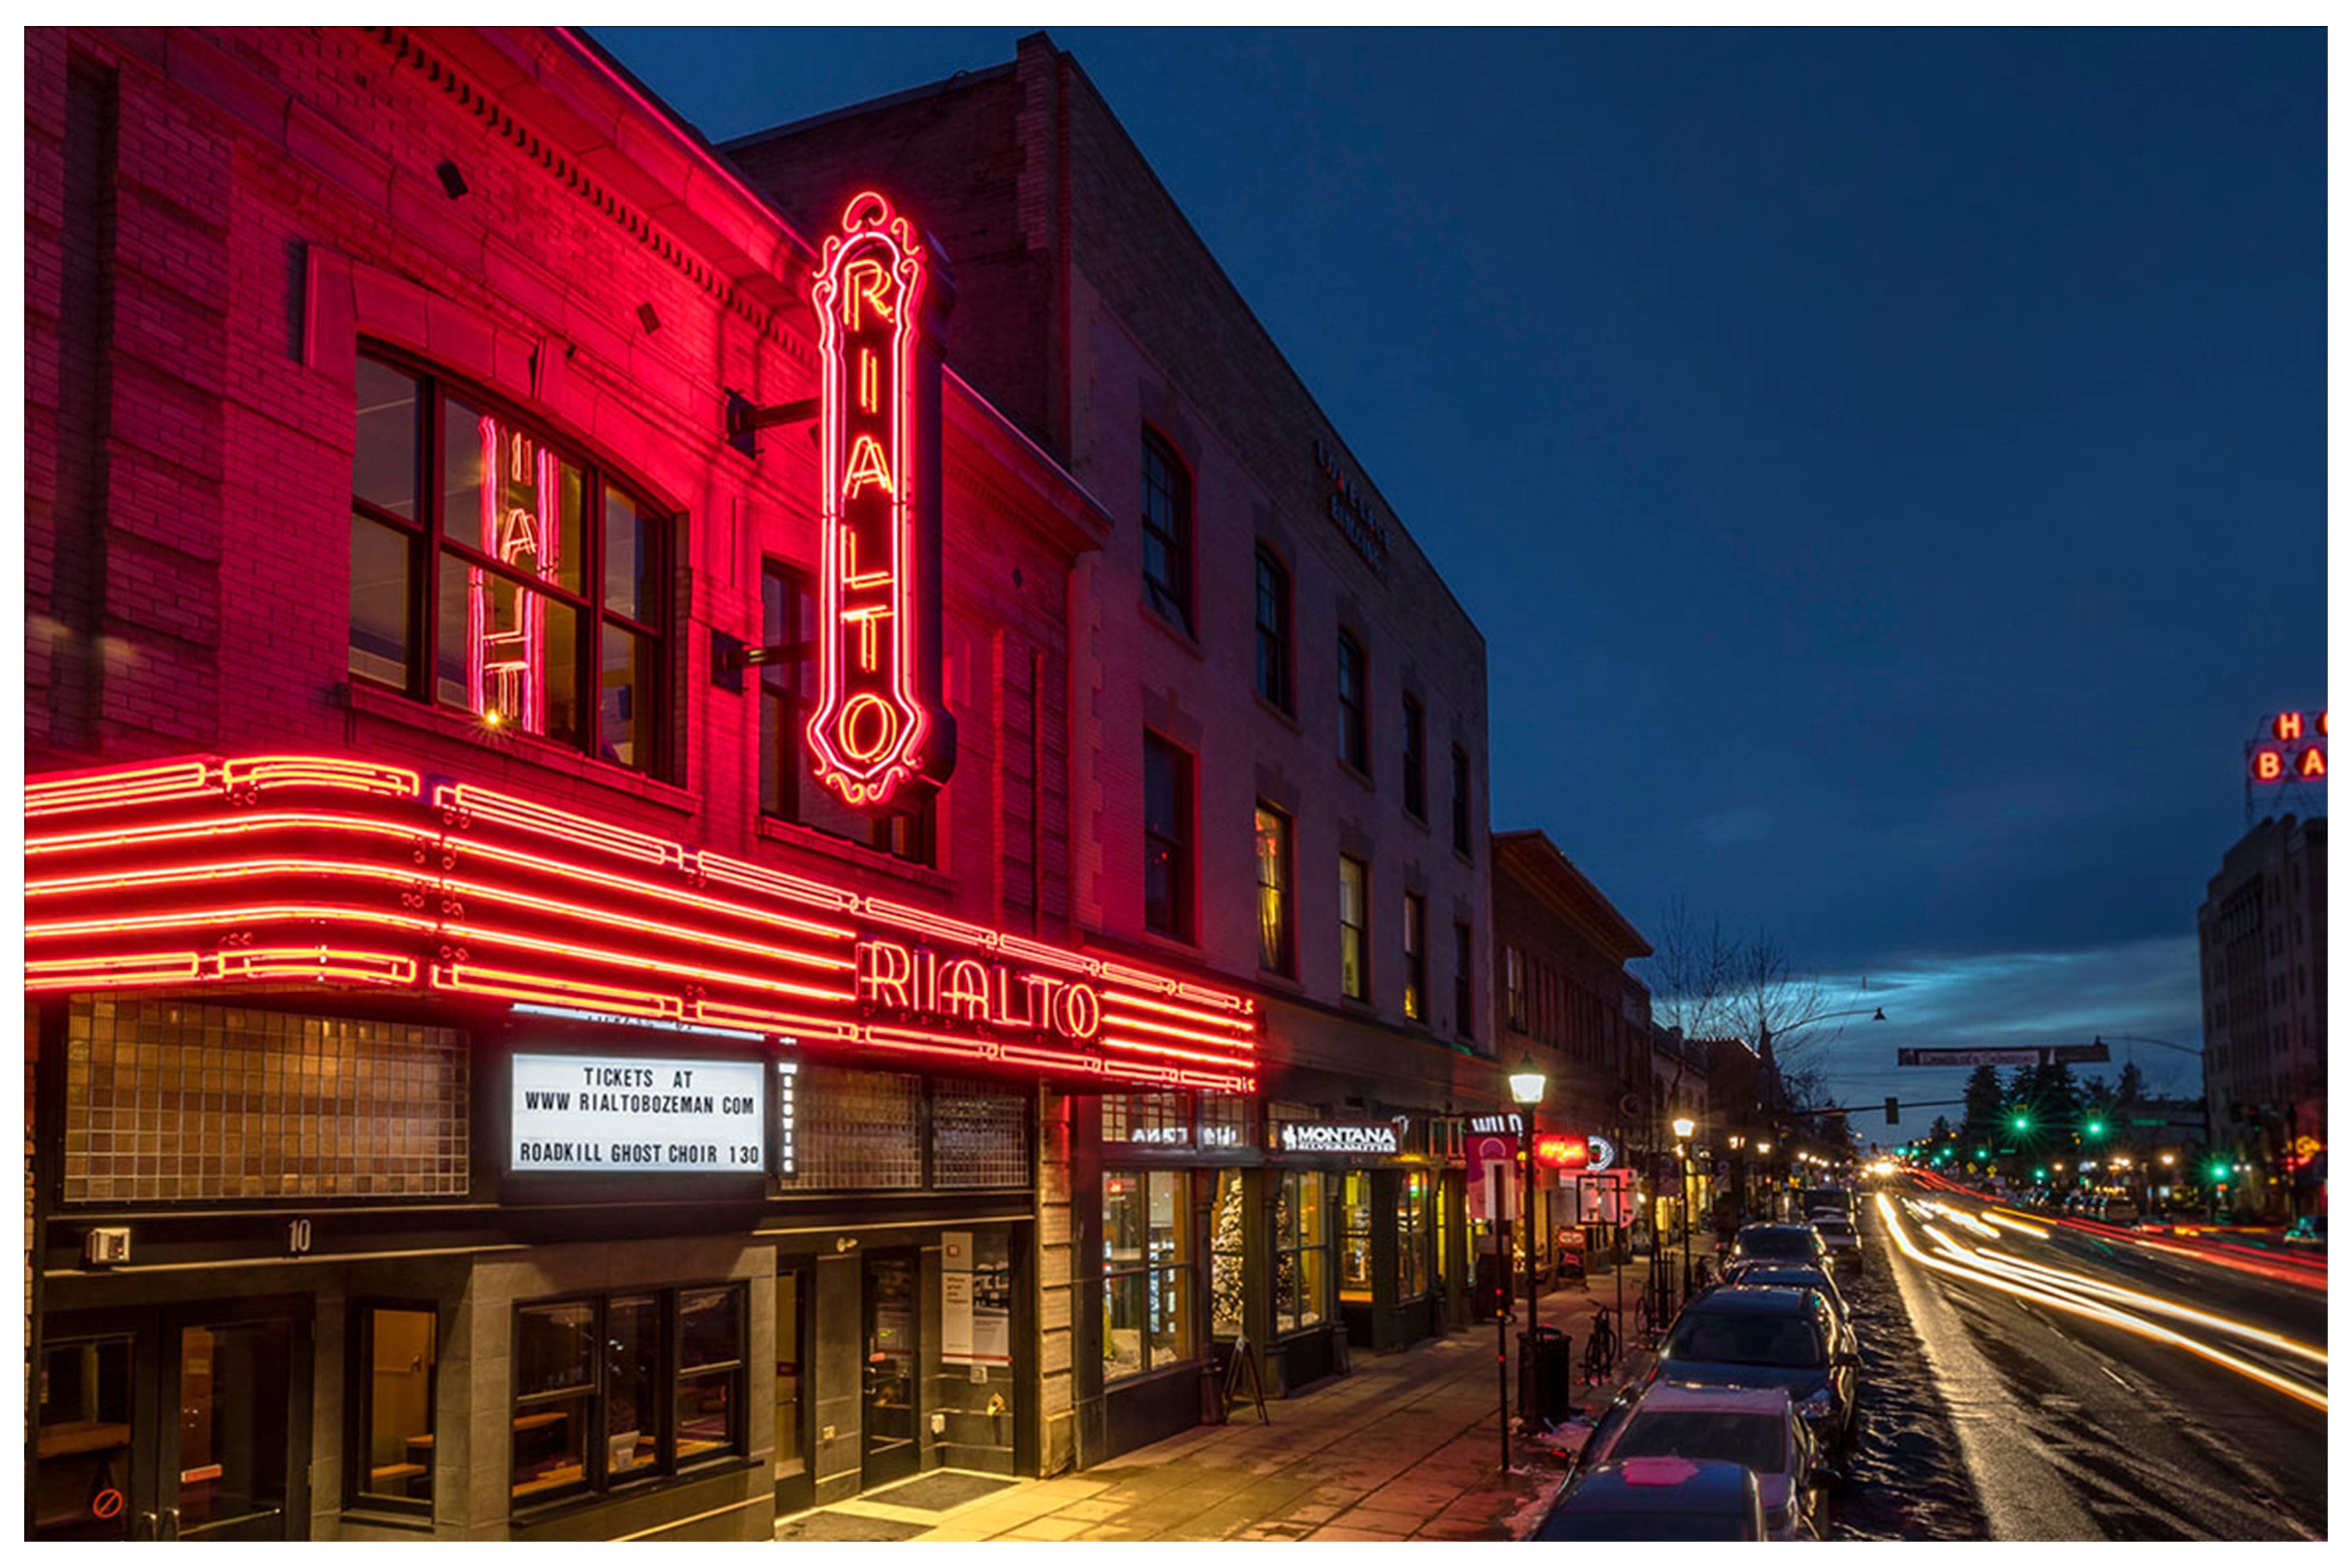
(1888, 466)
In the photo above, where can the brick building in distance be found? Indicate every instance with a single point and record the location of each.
(1279, 741)
(2261, 957)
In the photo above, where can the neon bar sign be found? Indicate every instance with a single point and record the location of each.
(324, 871)
(878, 730)
(2294, 749)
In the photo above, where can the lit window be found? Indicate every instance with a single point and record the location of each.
(479, 580)
(392, 1414)
(1302, 1252)
(1167, 531)
(1167, 838)
(1354, 737)
(1416, 958)
(1277, 950)
(1147, 1272)
(1272, 630)
(1355, 949)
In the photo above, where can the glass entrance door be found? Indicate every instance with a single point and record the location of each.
(893, 1368)
(795, 1476)
(178, 1426)
(229, 1479)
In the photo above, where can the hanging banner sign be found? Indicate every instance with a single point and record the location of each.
(1340, 1138)
(638, 1114)
(878, 732)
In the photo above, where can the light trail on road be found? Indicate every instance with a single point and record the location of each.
(2311, 1273)
(2002, 1275)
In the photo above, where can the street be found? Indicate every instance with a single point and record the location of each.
(2103, 1386)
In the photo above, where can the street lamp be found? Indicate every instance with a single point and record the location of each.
(1527, 1089)
(1738, 1178)
(1764, 1153)
(1683, 1128)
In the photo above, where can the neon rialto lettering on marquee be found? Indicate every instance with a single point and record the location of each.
(918, 981)
(877, 736)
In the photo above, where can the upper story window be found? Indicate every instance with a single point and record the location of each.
(1355, 940)
(788, 689)
(1272, 630)
(1167, 531)
(1416, 759)
(1461, 950)
(1514, 988)
(536, 579)
(1276, 948)
(1355, 742)
(1416, 958)
(1461, 800)
(1167, 838)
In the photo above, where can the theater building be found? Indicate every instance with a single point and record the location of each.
(565, 923)
(1278, 756)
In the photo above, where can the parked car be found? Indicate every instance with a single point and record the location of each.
(2311, 1230)
(1839, 1235)
(1788, 1243)
(1774, 1271)
(1811, 1199)
(1656, 1498)
(1770, 1336)
(1756, 1427)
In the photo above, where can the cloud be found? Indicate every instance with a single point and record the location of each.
(2147, 988)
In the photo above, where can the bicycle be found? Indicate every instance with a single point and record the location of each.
(1600, 1347)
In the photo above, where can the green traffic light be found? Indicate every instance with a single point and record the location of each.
(2020, 1121)
(1980, 1153)
(2095, 1127)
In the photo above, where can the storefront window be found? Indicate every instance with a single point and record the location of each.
(632, 1393)
(1356, 1237)
(605, 1365)
(1413, 1232)
(1163, 1118)
(1302, 1253)
(1147, 1272)
(1225, 1121)
(555, 1384)
(709, 1371)
(856, 1130)
(1228, 1233)
(394, 1417)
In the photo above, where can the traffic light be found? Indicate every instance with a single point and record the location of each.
(2020, 1121)
(1980, 1153)
(1894, 1110)
(2221, 1170)
(2095, 1127)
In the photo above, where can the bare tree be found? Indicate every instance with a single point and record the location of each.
(1691, 974)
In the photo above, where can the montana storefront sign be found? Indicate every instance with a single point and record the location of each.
(336, 872)
(1340, 1138)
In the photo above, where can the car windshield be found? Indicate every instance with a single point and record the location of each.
(1572, 1524)
(1786, 1241)
(1832, 1227)
(1753, 1439)
(1743, 1338)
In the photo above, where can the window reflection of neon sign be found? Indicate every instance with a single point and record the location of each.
(506, 680)
(877, 728)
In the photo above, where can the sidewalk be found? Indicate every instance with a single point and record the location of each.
(1402, 1449)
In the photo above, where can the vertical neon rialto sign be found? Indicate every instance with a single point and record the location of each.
(879, 736)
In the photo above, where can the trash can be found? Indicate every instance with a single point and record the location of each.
(1544, 1375)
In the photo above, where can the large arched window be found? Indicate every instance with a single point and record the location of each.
(497, 571)
(1167, 531)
